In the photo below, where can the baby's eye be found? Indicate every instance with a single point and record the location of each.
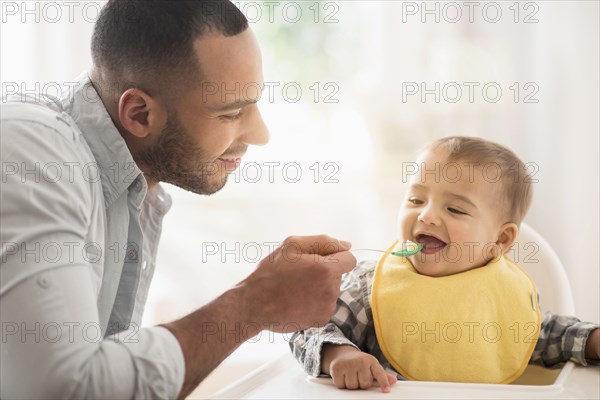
(455, 211)
(415, 201)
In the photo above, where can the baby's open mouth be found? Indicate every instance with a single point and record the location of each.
(430, 244)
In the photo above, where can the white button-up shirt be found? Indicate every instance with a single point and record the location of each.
(79, 231)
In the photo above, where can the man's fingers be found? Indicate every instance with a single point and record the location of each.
(317, 244)
(343, 261)
(323, 249)
(381, 377)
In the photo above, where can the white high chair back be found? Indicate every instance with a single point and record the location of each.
(532, 253)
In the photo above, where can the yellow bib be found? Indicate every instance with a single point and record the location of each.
(476, 326)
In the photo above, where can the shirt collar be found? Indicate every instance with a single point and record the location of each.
(114, 160)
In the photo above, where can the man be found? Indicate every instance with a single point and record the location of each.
(169, 99)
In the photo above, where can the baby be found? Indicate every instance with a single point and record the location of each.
(459, 310)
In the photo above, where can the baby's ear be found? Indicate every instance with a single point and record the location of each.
(507, 236)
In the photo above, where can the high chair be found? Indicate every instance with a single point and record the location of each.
(541, 262)
(283, 378)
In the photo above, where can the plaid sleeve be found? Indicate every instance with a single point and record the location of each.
(561, 339)
(348, 325)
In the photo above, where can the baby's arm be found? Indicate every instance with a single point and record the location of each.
(347, 330)
(350, 368)
(592, 345)
(565, 338)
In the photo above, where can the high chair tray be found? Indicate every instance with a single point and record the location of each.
(283, 378)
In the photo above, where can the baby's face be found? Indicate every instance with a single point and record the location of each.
(455, 212)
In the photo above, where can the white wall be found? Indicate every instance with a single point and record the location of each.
(369, 53)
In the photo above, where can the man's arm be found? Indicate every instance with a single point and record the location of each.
(293, 288)
(52, 340)
(52, 346)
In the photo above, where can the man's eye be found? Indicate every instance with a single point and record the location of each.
(231, 117)
(455, 211)
(415, 201)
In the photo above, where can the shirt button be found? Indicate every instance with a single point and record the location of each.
(132, 255)
(144, 265)
(43, 282)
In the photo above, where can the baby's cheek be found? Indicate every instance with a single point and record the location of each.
(403, 225)
(453, 252)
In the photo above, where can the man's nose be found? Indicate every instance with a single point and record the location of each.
(255, 132)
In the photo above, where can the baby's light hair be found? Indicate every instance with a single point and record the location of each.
(515, 180)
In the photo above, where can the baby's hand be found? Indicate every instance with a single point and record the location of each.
(352, 369)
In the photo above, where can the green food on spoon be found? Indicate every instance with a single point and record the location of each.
(411, 249)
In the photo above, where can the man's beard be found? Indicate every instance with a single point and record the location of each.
(176, 159)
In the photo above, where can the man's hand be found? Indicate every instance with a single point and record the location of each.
(296, 286)
(352, 369)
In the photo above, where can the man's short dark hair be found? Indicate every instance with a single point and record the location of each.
(150, 43)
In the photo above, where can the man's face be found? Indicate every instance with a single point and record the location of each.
(210, 128)
(458, 220)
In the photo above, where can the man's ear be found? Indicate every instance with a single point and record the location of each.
(507, 236)
(140, 114)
